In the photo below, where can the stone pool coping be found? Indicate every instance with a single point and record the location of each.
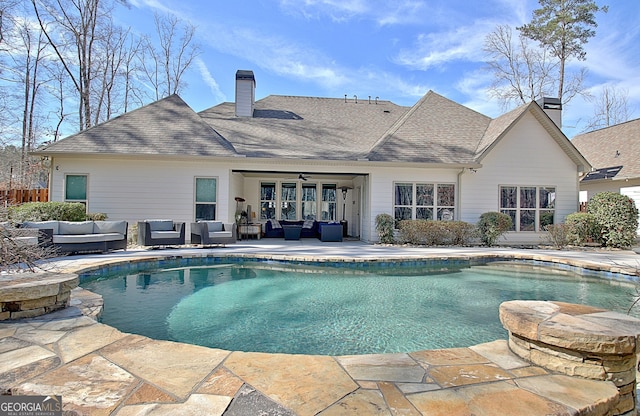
(100, 370)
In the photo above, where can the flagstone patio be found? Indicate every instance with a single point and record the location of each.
(99, 370)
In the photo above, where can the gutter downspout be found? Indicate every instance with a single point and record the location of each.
(459, 194)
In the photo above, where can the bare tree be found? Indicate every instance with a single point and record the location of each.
(563, 27)
(72, 30)
(22, 64)
(129, 69)
(521, 72)
(6, 9)
(106, 92)
(57, 88)
(164, 66)
(611, 106)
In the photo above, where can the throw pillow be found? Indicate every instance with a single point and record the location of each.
(214, 226)
(275, 224)
(308, 224)
(160, 225)
(75, 227)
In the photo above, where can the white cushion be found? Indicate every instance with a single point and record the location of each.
(86, 238)
(106, 227)
(26, 241)
(160, 225)
(164, 234)
(214, 225)
(308, 224)
(42, 225)
(75, 227)
(218, 234)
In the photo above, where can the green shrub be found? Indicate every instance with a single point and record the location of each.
(582, 228)
(422, 232)
(557, 235)
(385, 227)
(462, 233)
(96, 216)
(617, 218)
(48, 211)
(435, 233)
(546, 218)
(492, 225)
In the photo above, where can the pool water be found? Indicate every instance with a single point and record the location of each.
(337, 311)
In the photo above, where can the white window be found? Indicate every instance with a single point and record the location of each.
(289, 201)
(206, 197)
(75, 188)
(309, 201)
(424, 201)
(329, 202)
(267, 200)
(531, 208)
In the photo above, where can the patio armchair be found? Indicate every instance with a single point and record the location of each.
(160, 233)
(209, 233)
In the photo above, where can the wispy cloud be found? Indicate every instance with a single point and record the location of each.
(152, 4)
(381, 12)
(208, 79)
(276, 54)
(337, 10)
(462, 43)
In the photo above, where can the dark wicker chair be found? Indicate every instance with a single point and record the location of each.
(160, 233)
(209, 233)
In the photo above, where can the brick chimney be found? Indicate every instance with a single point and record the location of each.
(553, 108)
(245, 93)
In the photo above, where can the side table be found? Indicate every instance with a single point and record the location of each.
(250, 230)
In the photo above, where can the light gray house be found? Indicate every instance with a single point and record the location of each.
(322, 158)
(614, 153)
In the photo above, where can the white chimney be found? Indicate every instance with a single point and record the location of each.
(553, 108)
(245, 93)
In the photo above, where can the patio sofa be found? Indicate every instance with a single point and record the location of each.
(310, 229)
(273, 228)
(209, 233)
(81, 236)
(160, 233)
(22, 237)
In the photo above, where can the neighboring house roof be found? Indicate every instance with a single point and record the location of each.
(613, 146)
(603, 173)
(165, 127)
(435, 130)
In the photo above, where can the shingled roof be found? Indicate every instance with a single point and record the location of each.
(165, 127)
(306, 127)
(435, 130)
(613, 146)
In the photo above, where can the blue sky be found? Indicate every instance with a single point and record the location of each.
(395, 50)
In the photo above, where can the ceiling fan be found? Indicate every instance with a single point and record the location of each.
(301, 177)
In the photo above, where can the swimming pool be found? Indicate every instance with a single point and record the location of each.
(329, 310)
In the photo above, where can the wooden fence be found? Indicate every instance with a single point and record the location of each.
(20, 196)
